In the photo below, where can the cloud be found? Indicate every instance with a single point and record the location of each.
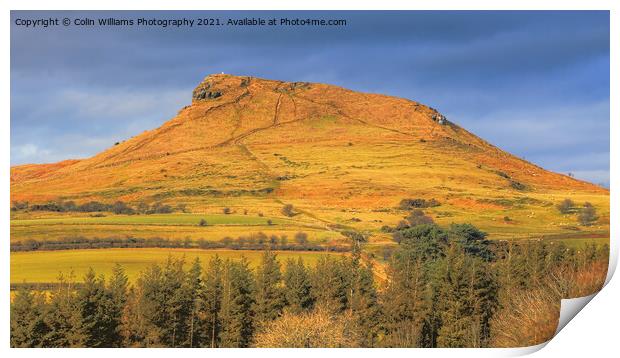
(599, 177)
(29, 153)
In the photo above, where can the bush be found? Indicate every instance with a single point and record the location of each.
(203, 222)
(408, 204)
(120, 207)
(502, 174)
(301, 238)
(587, 216)
(19, 205)
(51, 206)
(417, 217)
(288, 210)
(159, 208)
(316, 329)
(93, 206)
(516, 185)
(387, 229)
(566, 206)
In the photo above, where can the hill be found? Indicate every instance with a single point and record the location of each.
(341, 158)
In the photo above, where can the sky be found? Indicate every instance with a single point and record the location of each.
(534, 83)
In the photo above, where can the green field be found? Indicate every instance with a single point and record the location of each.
(155, 219)
(45, 266)
(169, 226)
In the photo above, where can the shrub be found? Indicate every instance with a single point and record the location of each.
(19, 205)
(417, 217)
(566, 206)
(203, 222)
(159, 208)
(51, 206)
(301, 238)
(316, 329)
(120, 207)
(288, 210)
(587, 216)
(402, 225)
(408, 204)
(143, 208)
(502, 174)
(387, 229)
(516, 185)
(92, 206)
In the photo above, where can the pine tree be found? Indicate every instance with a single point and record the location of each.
(237, 303)
(117, 291)
(63, 317)
(269, 296)
(94, 306)
(330, 284)
(454, 302)
(297, 288)
(177, 303)
(466, 298)
(133, 323)
(195, 291)
(213, 301)
(150, 308)
(409, 301)
(27, 324)
(363, 303)
(472, 240)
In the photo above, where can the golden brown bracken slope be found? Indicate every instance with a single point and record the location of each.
(250, 142)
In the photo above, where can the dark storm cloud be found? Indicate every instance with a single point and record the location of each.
(534, 83)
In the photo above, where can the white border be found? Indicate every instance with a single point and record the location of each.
(597, 326)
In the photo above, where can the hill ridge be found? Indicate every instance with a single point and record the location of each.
(228, 110)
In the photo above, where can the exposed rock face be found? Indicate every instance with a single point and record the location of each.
(203, 91)
(206, 90)
(204, 94)
(440, 118)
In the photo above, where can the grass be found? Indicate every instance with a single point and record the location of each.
(170, 226)
(578, 243)
(155, 219)
(45, 266)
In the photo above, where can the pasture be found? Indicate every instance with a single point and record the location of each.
(46, 266)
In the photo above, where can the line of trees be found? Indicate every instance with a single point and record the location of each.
(224, 304)
(446, 287)
(255, 241)
(118, 207)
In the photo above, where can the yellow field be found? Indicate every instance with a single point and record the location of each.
(45, 266)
